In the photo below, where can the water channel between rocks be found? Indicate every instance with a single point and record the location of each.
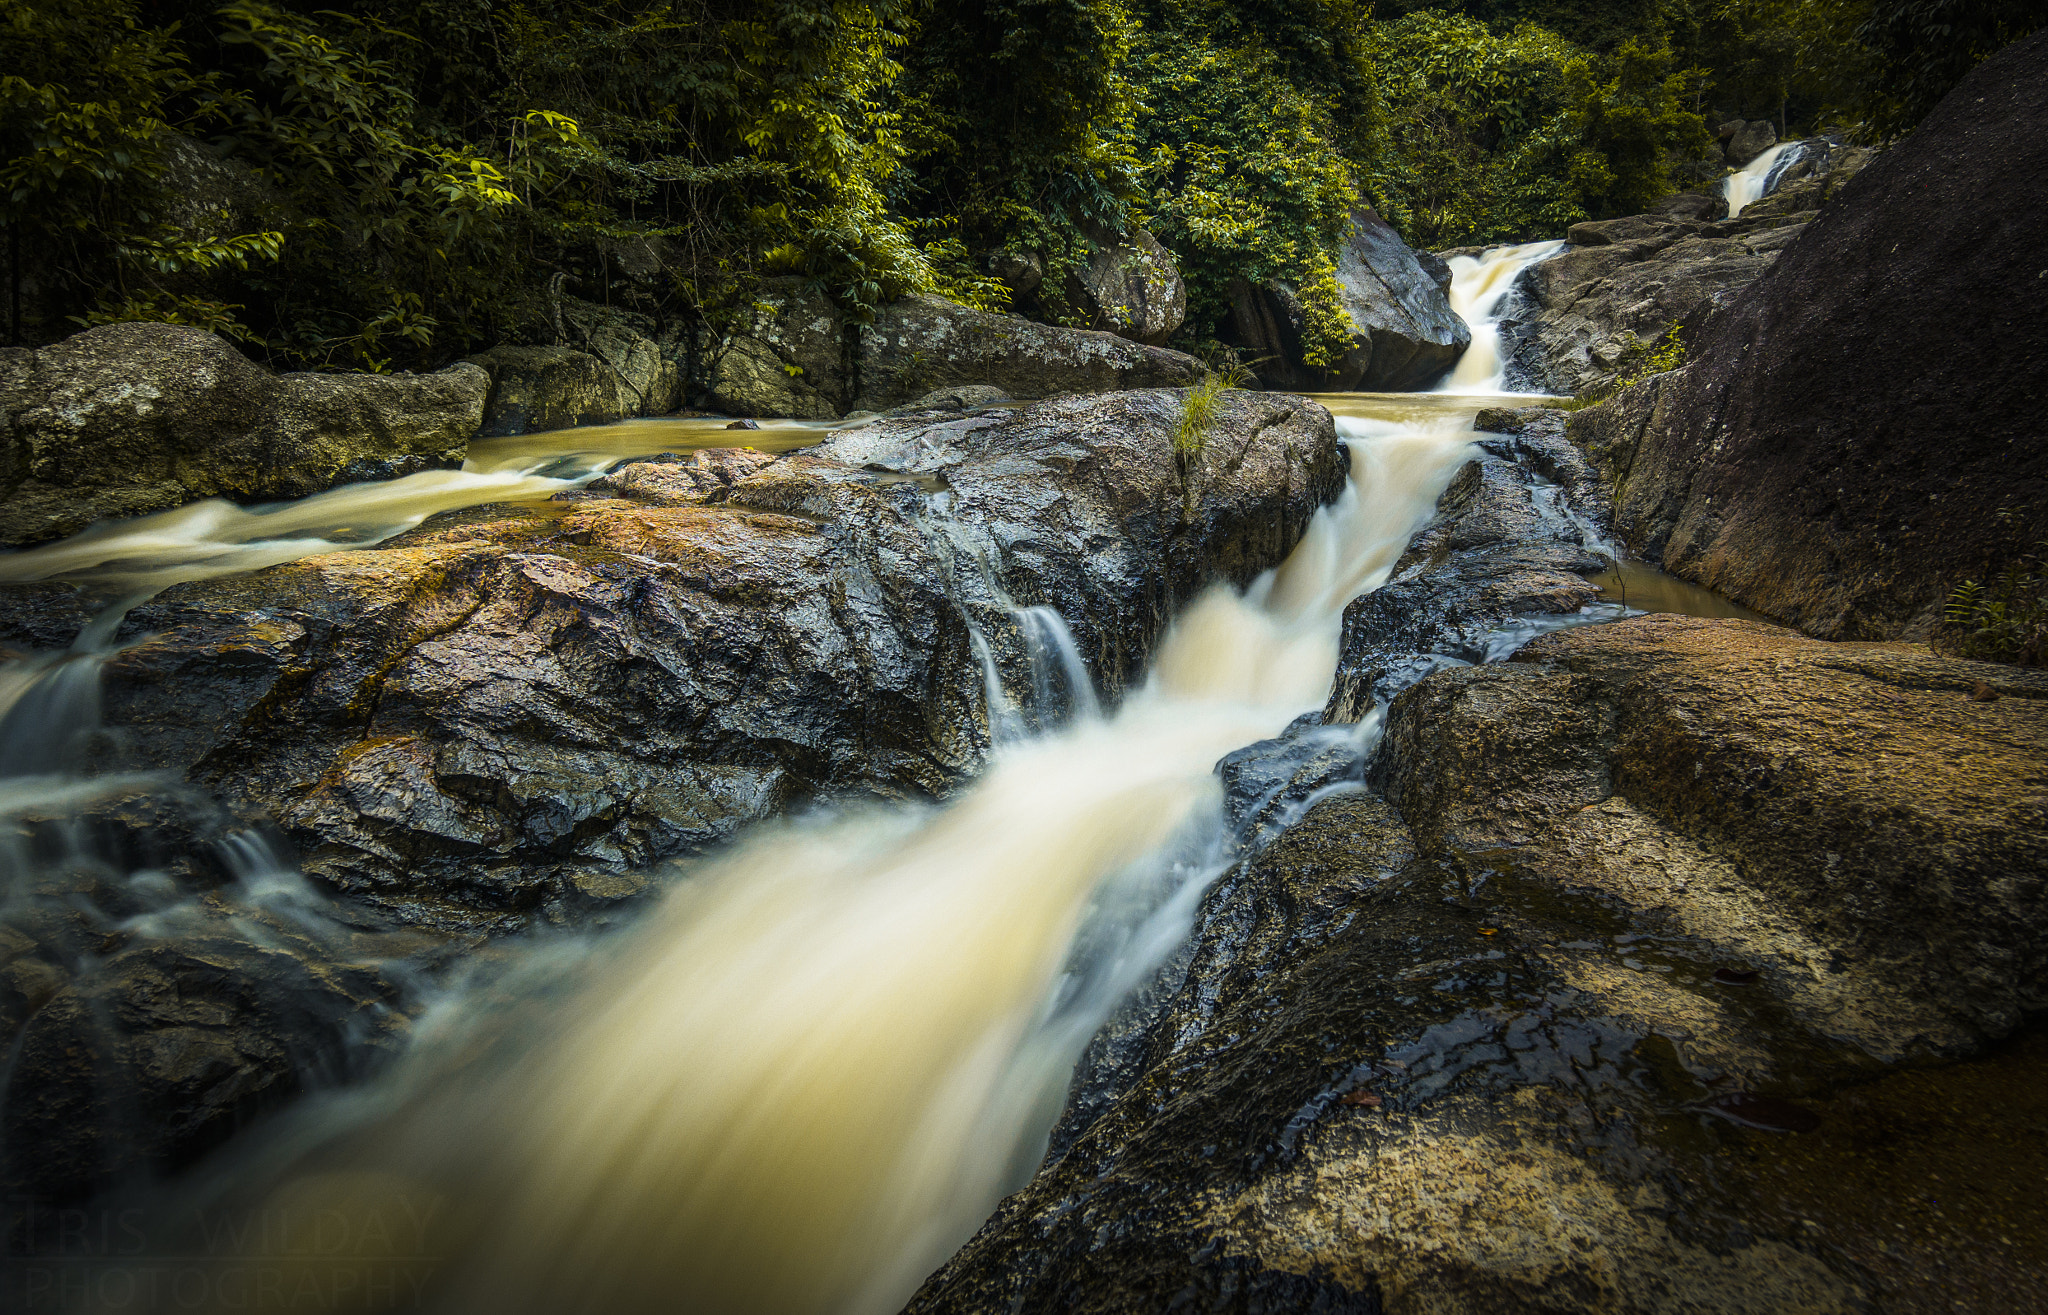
(807, 1073)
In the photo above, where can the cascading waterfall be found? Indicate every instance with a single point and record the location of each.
(1480, 288)
(1759, 177)
(809, 1072)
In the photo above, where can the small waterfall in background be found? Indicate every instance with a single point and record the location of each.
(1759, 177)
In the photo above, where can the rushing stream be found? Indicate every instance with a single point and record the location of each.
(805, 1075)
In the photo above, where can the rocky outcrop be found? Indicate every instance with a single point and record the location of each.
(799, 357)
(1403, 333)
(1624, 283)
(620, 371)
(131, 418)
(161, 985)
(514, 708)
(1598, 999)
(1861, 431)
(1743, 141)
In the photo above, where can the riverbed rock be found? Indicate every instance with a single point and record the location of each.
(1501, 562)
(130, 418)
(161, 986)
(798, 357)
(1837, 454)
(1604, 996)
(507, 709)
(1403, 333)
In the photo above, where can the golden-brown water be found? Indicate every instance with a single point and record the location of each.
(216, 537)
(810, 1072)
(1643, 587)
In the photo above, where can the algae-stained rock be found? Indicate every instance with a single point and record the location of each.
(477, 719)
(920, 344)
(1602, 1004)
(1403, 332)
(618, 372)
(1862, 429)
(131, 418)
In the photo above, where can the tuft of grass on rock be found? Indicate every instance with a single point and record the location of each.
(1199, 409)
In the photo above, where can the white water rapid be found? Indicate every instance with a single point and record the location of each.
(1480, 288)
(1756, 179)
(807, 1074)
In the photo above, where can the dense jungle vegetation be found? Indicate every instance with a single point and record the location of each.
(389, 183)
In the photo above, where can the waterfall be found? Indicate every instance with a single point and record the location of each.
(1759, 177)
(1481, 289)
(805, 1077)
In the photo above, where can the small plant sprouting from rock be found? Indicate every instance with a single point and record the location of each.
(1639, 362)
(1198, 410)
(2003, 619)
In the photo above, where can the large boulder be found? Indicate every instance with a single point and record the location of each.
(131, 418)
(1610, 993)
(1743, 141)
(1624, 283)
(1862, 429)
(619, 371)
(1403, 334)
(1129, 286)
(798, 356)
(514, 708)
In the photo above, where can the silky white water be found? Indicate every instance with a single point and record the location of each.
(805, 1077)
(1479, 288)
(1755, 179)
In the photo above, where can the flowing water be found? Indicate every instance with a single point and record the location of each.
(805, 1076)
(1480, 289)
(1756, 179)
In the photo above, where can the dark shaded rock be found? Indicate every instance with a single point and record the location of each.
(1748, 140)
(1404, 334)
(1625, 282)
(466, 722)
(1851, 509)
(619, 372)
(1470, 1052)
(1512, 533)
(963, 397)
(798, 357)
(131, 418)
(1020, 271)
(161, 986)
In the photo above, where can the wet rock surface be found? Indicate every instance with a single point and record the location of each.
(163, 982)
(1403, 332)
(1501, 561)
(513, 709)
(798, 357)
(1130, 286)
(1851, 510)
(1608, 994)
(1624, 283)
(131, 418)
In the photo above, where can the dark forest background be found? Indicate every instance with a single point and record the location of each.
(386, 184)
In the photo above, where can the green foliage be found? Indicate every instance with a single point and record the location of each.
(2003, 619)
(1921, 48)
(1200, 407)
(1243, 154)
